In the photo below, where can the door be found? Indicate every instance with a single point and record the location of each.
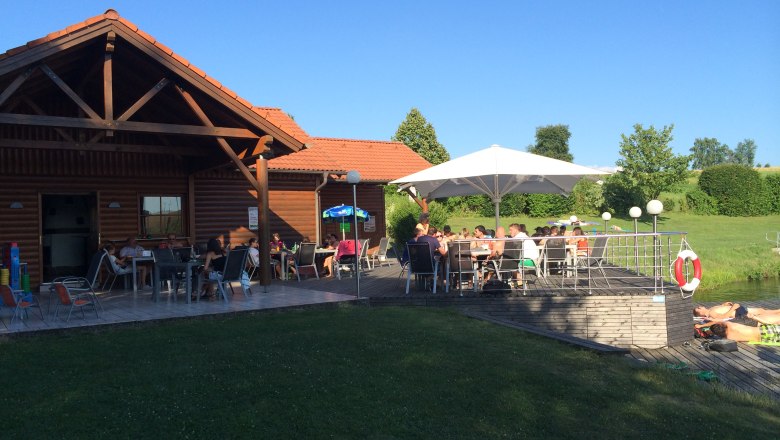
(69, 233)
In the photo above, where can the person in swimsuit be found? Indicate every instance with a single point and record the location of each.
(735, 310)
(767, 333)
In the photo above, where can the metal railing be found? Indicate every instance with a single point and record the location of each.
(631, 262)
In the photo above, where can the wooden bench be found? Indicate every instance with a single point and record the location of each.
(569, 339)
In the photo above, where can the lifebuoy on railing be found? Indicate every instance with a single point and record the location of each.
(679, 264)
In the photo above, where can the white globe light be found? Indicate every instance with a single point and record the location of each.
(635, 212)
(606, 216)
(655, 207)
(353, 177)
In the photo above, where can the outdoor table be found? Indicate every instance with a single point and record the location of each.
(321, 253)
(135, 271)
(283, 261)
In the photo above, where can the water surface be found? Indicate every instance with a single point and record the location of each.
(742, 291)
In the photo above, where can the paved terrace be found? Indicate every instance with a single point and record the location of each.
(753, 369)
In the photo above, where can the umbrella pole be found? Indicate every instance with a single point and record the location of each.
(497, 202)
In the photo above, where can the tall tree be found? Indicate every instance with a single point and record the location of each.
(553, 141)
(649, 166)
(745, 153)
(419, 135)
(707, 152)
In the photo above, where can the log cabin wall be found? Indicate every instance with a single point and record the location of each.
(370, 197)
(25, 174)
(222, 200)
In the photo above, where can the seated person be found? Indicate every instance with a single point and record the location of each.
(435, 246)
(120, 267)
(171, 242)
(331, 243)
(214, 265)
(133, 249)
(424, 223)
(745, 333)
(253, 252)
(582, 243)
(278, 245)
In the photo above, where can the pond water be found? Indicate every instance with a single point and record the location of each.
(742, 291)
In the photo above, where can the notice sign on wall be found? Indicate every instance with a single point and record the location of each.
(370, 225)
(253, 226)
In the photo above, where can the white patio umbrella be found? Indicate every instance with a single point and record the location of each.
(496, 171)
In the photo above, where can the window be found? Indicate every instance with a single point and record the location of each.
(161, 215)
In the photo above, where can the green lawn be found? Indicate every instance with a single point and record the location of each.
(730, 248)
(351, 372)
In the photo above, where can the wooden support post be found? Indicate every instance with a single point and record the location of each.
(15, 84)
(108, 81)
(191, 209)
(264, 223)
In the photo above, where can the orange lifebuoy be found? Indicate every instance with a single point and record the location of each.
(679, 264)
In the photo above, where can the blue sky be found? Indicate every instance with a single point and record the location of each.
(481, 72)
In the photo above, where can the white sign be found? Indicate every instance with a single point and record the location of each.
(253, 226)
(370, 225)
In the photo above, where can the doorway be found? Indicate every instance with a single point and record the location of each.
(69, 233)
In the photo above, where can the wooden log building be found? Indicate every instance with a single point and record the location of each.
(106, 133)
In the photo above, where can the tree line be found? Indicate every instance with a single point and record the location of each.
(647, 167)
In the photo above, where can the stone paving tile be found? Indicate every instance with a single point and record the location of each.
(120, 307)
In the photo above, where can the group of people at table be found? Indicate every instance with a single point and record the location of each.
(488, 244)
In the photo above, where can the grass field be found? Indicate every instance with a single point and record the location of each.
(351, 372)
(730, 248)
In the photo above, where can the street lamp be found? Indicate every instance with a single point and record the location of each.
(635, 213)
(353, 178)
(655, 207)
(606, 216)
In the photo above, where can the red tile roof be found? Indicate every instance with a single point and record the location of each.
(377, 161)
(273, 115)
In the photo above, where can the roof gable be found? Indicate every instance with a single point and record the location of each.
(80, 35)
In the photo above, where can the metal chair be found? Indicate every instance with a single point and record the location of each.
(421, 262)
(459, 262)
(305, 257)
(594, 260)
(20, 305)
(233, 272)
(114, 272)
(555, 252)
(167, 257)
(364, 254)
(78, 284)
(347, 259)
(381, 253)
(73, 300)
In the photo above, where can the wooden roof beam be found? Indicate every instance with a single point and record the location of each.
(68, 91)
(124, 148)
(15, 84)
(221, 141)
(129, 126)
(40, 111)
(143, 100)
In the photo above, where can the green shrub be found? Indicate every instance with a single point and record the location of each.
(468, 205)
(620, 197)
(512, 205)
(700, 203)
(403, 215)
(772, 185)
(670, 203)
(587, 197)
(738, 189)
(548, 205)
(402, 219)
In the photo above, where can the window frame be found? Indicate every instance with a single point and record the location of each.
(142, 218)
